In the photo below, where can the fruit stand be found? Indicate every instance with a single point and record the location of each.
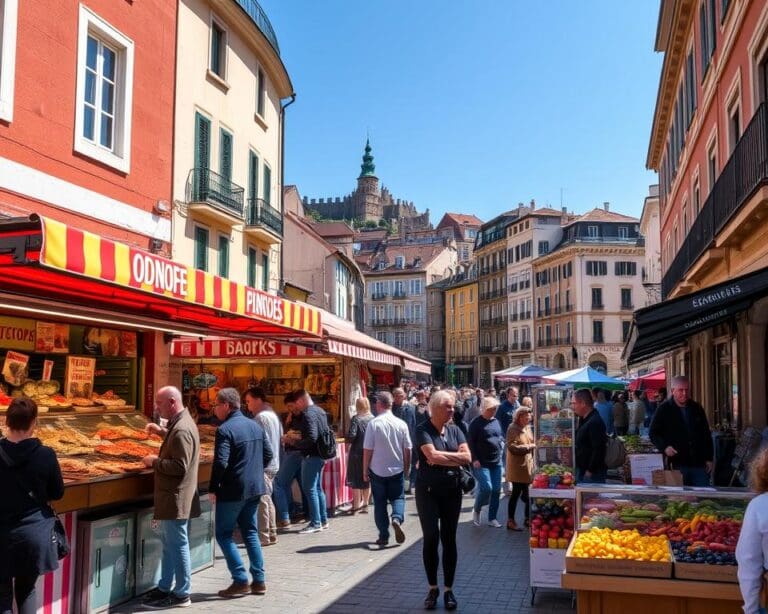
(552, 492)
(667, 549)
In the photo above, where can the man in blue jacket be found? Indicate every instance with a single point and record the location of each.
(241, 452)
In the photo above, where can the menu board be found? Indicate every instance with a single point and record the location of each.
(78, 378)
(51, 338)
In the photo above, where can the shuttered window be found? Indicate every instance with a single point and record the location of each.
(202, 141)
(201, 248)
(267, 185)
(225, 155)
(218, 50)
(253, 175)
(260, 92)
(265, 272)
(223, 256)
(251, 267)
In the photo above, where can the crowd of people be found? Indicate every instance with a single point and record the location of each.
(418, 440)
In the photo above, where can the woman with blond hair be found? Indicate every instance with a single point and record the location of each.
(752, 548)
(361, 490)
(520, 446)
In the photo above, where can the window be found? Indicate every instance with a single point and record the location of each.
(626, 298)
(734, 125)
(624, 268)
(415, 287)
(202, 144)
(201, 248)
(625, 326)
(225, 156)
(251, 267)
(707, 34)
(218, 50)
(712, 165)
(104, 92)
(9, 10)
(261, 88)
(696, 197)
(623, 232)
(543, 247)
(461, 298)
(597, 331)
(597, 267)
(593, 232)
(267, 185)
(253, 175)
(597, 298)
(265, 272)
(224, 256)
(399, 262)
(686, 226)
(471, 295)
(690, 88)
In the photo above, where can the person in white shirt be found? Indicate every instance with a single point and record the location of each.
(752, 547)
(386, 455)
(256, 401)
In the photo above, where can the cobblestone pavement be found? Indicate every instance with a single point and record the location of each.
(341, 571)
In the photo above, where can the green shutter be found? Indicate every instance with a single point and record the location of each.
(267, 185)
(201, 248)
(265, 272)
(202, 141)
(251, 267)
(225, 156)
(223, 256)
(253, 175)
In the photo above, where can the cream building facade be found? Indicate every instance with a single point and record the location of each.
(227, 216)
(650, 230)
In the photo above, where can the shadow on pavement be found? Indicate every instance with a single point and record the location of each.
(368, 545)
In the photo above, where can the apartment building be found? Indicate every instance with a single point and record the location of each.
(651, 232)
(461, 327)
(396, 296)
(463, 229)
(534, 234)
(230, 84)
(585, 291)
(708, 144)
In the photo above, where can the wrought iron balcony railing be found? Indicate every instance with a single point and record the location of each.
(261, 213)
(205, 186)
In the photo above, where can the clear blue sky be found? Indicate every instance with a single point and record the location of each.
(472, 107)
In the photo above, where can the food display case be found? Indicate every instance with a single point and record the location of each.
(552, 492)
(698, 526)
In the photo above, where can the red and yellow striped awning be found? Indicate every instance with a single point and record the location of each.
(152, 282)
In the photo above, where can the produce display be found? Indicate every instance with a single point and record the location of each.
(621, 544)
(551, 523)
(553, 476)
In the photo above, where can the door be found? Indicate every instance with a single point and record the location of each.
(202, 158)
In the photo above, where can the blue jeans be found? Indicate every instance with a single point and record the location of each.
(387, 490)
(311, 473)
(175, 562)
(488, 490)
(290, 470)
(244, 514)
(694, 476)
(596, 478)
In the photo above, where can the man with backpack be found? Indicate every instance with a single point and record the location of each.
(386, 456)
(313, 443)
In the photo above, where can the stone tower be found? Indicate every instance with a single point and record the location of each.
(368, 205)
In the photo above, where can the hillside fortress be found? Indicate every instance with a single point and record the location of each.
(369, 202)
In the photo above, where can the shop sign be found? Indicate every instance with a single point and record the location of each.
(235, 348)
(52, 338)
(78, 379)
(17, 334)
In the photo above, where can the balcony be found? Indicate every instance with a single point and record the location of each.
(213, 197)
(513, 347)
(398, 294)
(627, 307)
(525, 284)
(263, 221)
(500, 348)
(485, 270)
(547, 311)
(512, 288)
(597, 339)
(558, 310)
(484, 349)
(379, 296)
(260, 20)
(499, 320)
(525, 345)
(568, 308)
(525, 315)
(745, 172)
(597, 306)
(513, 317)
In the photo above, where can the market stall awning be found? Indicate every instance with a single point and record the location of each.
(650, 381)
(662, 327)
(585, 377)
(42, 258)
(523, 373)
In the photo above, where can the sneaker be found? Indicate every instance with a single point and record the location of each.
(476, 518)
(310, 528)
(399, 535)
(325, 526)
(235, 590)
(168, 601)
(494, 523)
(258, 588)
(154, 595)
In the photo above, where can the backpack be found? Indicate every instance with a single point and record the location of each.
(326, 444)
(615, 452)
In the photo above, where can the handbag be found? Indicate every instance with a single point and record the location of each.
(58, 532)
(466, 479)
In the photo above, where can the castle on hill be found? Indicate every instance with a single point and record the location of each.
(370, 202)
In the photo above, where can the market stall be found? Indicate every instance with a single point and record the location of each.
(642, 548)
(85, 328)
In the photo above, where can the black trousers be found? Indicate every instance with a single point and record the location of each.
(439, 517)
(519, 491)
(24, 589)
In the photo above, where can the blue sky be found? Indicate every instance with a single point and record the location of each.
(472, 107)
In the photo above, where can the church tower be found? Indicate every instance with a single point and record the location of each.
(368, 196)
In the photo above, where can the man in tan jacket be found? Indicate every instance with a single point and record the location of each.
(176, 498)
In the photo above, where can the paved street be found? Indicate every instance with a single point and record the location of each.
(340, 571)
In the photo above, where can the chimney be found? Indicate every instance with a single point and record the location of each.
(607, 206)
(533, 205)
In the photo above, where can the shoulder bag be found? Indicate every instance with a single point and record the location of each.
(466, 479)
(58, 533)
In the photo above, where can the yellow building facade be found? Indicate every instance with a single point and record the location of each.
(461, 331)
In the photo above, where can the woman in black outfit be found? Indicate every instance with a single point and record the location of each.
(26, 526)
(442, 449)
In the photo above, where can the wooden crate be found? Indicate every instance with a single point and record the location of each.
(706, 572)
(616, 567)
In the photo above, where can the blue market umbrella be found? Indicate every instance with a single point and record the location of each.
(586, 377)
(523, 373)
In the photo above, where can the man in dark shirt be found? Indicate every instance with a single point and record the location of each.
(680, 430)
(590, 440)
(402, 409)
(486, 441)
(241, 452)
(315, 422)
